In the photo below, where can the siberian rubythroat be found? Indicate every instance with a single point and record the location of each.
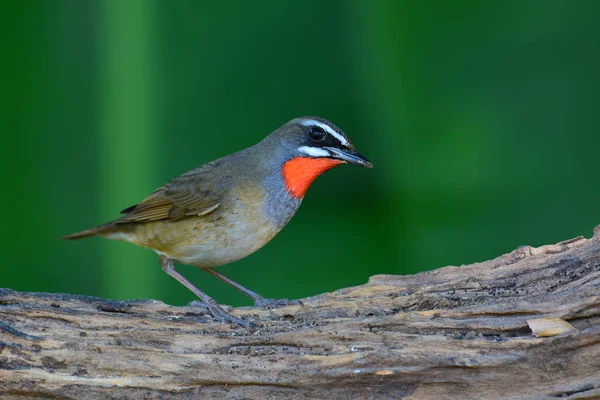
(226, 209)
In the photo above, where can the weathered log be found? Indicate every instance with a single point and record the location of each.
(452, 333)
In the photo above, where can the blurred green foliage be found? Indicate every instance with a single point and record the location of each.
(481, 119)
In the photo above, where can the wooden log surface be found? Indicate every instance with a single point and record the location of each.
(452, 333)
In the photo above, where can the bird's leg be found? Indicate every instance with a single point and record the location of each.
(259, 301)
(168, 266)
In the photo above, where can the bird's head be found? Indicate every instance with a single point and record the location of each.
(312, 146)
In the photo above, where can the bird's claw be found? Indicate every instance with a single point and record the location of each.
(275, 303)
(196, 303)
(224, 317)
(218, 313)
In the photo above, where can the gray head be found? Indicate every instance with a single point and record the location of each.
(300, 150)
(316, 137)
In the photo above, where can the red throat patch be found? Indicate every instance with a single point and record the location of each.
(300, 172)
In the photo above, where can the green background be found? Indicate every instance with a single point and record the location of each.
(481, 119)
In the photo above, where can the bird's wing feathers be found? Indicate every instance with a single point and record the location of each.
(178, 199)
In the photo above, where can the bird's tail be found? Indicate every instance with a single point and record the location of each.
(99, 230)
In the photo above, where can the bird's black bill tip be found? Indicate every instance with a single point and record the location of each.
(367, 164)
(349, 156)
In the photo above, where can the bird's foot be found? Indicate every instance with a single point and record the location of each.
(219, 313)
(197, 303)
(261, 302)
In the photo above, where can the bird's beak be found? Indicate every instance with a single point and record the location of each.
(349, 156)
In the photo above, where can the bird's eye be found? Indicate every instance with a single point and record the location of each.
(316, 133)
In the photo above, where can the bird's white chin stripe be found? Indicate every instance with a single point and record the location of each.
(328, 129)
(314, 151)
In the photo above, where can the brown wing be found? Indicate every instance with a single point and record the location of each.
(195, 193)
(171, 204)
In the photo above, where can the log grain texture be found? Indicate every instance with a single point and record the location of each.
(452, 333)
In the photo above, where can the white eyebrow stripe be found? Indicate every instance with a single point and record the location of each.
(314, 151)
(328, 129)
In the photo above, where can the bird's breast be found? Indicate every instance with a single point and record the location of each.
(236, 229)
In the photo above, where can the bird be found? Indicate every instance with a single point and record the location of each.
(227, 209)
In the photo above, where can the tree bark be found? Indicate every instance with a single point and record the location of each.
(452, 333)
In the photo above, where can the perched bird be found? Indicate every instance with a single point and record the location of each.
(227, 209)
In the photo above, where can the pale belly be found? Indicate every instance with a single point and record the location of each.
(206, 241)
(203, 242)
(228, 234)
